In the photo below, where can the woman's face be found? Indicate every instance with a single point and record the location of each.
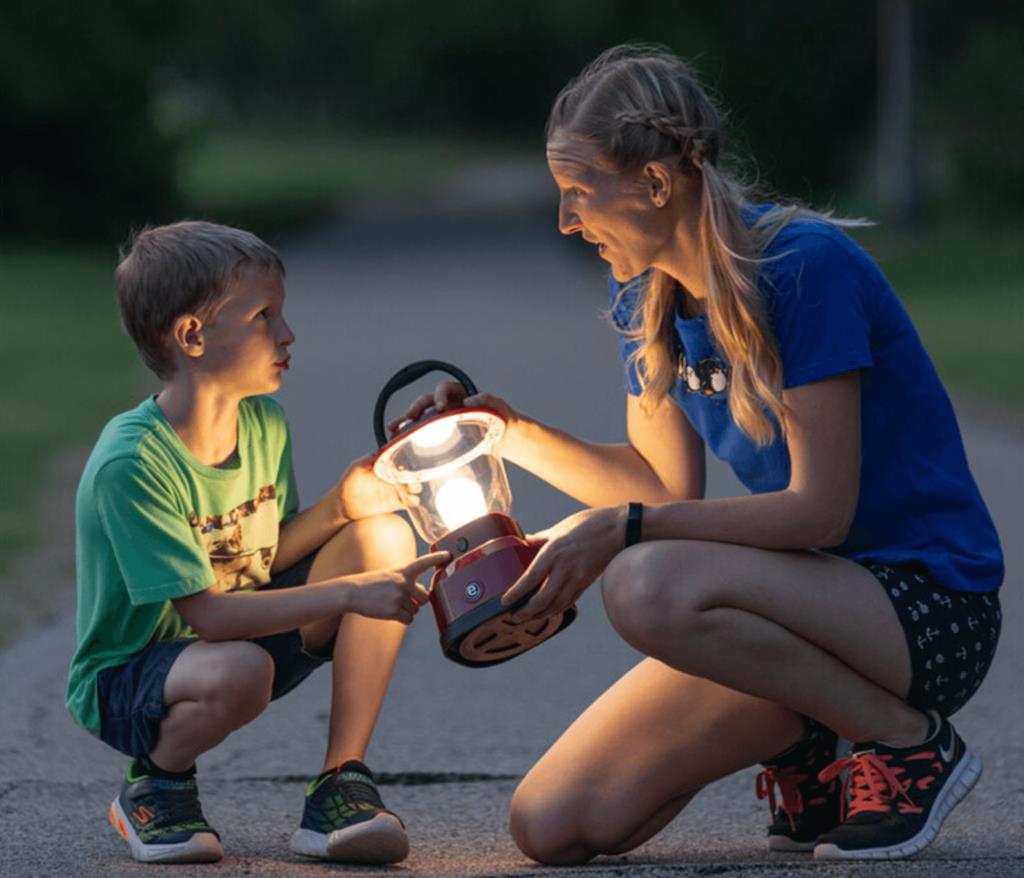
(621, 212)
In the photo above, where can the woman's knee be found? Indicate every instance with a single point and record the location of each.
(657, 590)
(546, 828)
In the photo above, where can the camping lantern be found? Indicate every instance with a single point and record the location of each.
(454, 487)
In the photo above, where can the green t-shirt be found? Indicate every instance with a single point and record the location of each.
(153, 524)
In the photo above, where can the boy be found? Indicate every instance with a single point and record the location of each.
(203, 593)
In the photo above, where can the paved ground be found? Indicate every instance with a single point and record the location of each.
(499, 293)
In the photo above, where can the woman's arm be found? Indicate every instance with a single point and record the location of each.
(663, 461)
(816, 507)
(813, 511)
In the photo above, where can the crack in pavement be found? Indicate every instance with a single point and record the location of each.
(400, 779)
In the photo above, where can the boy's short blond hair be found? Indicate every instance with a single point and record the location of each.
(182, 268)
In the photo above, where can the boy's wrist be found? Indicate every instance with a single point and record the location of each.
(343, 589)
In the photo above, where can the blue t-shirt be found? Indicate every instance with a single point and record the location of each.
(833, 311)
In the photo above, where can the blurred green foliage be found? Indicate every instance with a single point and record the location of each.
(975, 119)
(272, 181)
(67, 369)
(83, 152)
(964, 288)
(105, 96)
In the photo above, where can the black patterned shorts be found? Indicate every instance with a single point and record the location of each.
(952, 635)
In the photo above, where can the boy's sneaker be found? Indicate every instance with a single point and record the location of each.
(809, 806)
(161, 819)
(345, 820)
(895, 799)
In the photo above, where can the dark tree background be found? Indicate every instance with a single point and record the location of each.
(99, 99)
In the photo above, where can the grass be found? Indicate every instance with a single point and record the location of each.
(964, 289)
(67, 368)
(269, 182)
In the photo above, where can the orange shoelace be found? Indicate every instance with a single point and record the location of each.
(876, 784)
(788, 782)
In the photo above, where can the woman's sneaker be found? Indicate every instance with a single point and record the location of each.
(161, 819)
(895, 799)
(345, 820)
(809, 806)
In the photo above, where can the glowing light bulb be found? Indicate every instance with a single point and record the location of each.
(434, 434)
(459, 502)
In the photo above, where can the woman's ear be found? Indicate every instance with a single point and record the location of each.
(658, 180)
(188, 335)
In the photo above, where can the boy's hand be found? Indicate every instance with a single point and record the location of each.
(361, 494)
(395, 593)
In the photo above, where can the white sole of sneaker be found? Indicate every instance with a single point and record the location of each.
(785, 844)
(378, 841)
(203, 847)
(960, 783)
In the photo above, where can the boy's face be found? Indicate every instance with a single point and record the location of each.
(245, 343)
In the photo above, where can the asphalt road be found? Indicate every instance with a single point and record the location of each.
(479, 277)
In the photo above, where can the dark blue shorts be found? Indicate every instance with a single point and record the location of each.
(951, 635)
(131, 696)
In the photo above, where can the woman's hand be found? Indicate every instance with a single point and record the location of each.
(361, 494)
(450, 395)
(573, 554)
(391, 593)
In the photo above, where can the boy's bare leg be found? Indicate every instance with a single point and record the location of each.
(212, 689)
(365, 649)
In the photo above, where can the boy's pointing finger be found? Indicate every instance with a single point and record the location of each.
(420, 565)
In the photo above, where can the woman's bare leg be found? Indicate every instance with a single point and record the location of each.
(365, 649)
(812, 632)
(634, 759)
(746, 641)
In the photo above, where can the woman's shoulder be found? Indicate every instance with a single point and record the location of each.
(810, 238)
(812, 253)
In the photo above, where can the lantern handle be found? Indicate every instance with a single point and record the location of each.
(403, 378)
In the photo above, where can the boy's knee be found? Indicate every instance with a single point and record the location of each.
(380, 540)
(238, 680)
(386, 531)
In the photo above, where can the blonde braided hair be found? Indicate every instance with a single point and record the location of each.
(640, 104)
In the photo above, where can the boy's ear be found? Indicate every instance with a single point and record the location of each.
(188, 335)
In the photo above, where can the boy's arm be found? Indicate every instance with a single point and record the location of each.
(308, 531)
(379, 594)
(358, 494)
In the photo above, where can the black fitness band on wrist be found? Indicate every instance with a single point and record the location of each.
(634, 516)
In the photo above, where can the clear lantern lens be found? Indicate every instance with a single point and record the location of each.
(459, 501)
(434, 434)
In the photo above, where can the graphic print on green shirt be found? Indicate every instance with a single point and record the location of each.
(240, 543)
(153, 524)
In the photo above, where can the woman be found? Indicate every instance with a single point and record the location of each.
(852, 592)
